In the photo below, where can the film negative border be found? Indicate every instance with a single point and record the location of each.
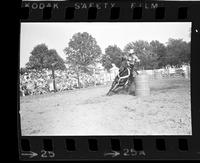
(113, 147)
(112, 11)
(117, 147)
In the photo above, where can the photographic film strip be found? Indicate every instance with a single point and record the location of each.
(109, 80)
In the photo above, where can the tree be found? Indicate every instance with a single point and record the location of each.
(41, 57)
(82, 53)
(106, 62)
(36, 60)
(113, 55)
(159, 53)
(178, 52)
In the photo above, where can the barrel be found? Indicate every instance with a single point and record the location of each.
(142, 84)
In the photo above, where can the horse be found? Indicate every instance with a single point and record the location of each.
(124, 82)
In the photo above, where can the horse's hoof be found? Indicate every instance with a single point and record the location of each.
(109, 94)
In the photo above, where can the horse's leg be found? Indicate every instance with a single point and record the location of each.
(110, 93)
(109, 90)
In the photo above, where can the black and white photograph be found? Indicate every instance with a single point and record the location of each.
(105, 78)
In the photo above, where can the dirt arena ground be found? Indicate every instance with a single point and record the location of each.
(167, 111)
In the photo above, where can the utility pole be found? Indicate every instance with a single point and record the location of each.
(53, 75)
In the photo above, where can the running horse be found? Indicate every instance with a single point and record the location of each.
(126, 76)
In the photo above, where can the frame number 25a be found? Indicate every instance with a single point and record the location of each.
(132, 152)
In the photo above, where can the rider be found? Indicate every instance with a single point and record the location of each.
(132, 59)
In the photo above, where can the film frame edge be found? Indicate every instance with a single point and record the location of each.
(55, 145)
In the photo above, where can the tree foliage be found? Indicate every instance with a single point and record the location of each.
(106, 62)
(178, 52)
(113, 55)
(82, 53)
(41, 57)
(54, 59)
(155, 55)
(158, 50)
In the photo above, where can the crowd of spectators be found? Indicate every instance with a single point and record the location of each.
(41, 82)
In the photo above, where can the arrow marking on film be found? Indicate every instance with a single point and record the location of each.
(113, 154)
(30, 154)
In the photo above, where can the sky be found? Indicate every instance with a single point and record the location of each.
(57, 35)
